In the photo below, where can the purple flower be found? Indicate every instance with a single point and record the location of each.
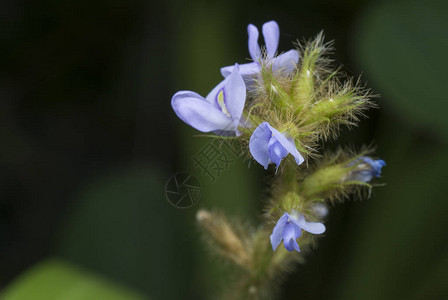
(271, 33)
(220, 111)
(366, 169)
(289, 228)
(268, 145)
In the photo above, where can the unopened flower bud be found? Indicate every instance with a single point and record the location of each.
(223, 237)
(366, 169)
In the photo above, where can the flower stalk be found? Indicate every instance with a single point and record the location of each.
(283, 106)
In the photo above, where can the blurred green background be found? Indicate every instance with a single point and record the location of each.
(88, 140)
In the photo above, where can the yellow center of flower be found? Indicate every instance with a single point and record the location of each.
(221, 103)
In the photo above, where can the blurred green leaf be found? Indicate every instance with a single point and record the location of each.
(400, 237)
(58, 280)
(400, 248)
(122, 225)
(402, 45)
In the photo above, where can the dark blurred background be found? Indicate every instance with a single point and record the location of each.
(88, 140)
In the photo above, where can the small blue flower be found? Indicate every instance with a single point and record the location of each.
(220, 111)
(268, 145)
(366, 169)
(289, 229)
(271, 33)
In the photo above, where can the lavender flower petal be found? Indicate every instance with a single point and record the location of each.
(291, 232)
(254, 47)
(311, 227)
(235, 95)
(271, 34)
(245, 69)
(276, 151)
(288, 232)
(277, 234)
(198, 112)
(286, 62)
(288, 144)
(259, 144)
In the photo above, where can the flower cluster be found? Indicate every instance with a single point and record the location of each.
(278, 105)
(221, 110)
